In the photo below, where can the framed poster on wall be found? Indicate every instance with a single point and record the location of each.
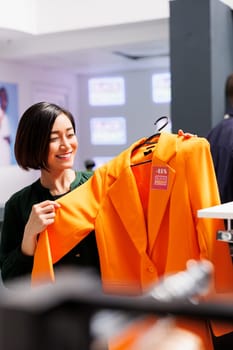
(108, 131)
(49, 93)
(106, 91)
(9, 117)
(161, 87)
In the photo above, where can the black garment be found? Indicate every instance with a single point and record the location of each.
(17, 209)
(224, 342)
(221, 146)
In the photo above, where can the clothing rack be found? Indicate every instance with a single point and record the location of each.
(40, 315)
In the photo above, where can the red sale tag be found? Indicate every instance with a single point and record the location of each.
(159, 178)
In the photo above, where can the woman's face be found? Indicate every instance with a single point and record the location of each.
(63, 144)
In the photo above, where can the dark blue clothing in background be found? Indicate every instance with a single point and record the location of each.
(221, 146)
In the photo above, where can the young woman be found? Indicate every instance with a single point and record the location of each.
(45, 140)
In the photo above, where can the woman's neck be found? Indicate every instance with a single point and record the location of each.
(57, 182)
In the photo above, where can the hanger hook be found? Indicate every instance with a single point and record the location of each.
(165, 123)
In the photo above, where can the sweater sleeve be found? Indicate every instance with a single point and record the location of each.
(13, 262)
(75, 219)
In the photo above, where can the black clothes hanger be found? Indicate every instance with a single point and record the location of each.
(151, 140)
(136, 164)
(163, 119)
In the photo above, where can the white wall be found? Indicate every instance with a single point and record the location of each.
(43, 16)
(12, 179)
(33, 82)
(228, 2)
(73, 14)
(29, 77)
(19, 15)
(139, 111)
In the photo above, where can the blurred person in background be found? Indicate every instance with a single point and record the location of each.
(5, 134)
(220, 138)
(89, 164)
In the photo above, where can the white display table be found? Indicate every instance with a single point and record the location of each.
(222, 211)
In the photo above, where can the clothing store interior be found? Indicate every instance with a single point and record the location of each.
(116, 168)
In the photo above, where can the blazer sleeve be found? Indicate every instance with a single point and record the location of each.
(203, 191)
(74, 220)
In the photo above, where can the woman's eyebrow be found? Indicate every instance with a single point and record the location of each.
(57, 131)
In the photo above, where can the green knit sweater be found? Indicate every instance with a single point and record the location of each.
(13, 262)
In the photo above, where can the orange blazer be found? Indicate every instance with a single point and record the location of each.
(144, 216)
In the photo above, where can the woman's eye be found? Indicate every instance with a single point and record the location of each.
(52, 139)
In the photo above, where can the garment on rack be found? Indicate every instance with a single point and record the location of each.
(143, 231)
(221, 146)
(153, 335)
(120, 328)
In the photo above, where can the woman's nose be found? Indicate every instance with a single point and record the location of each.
(64, 142)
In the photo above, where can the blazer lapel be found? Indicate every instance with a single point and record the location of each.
(125, 198)
(161, 184)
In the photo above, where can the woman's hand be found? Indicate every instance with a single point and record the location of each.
(42, 215)
(186, 135)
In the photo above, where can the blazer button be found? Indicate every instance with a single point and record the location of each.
(150, 269)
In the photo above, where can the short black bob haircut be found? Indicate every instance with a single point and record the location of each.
(33, 134)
